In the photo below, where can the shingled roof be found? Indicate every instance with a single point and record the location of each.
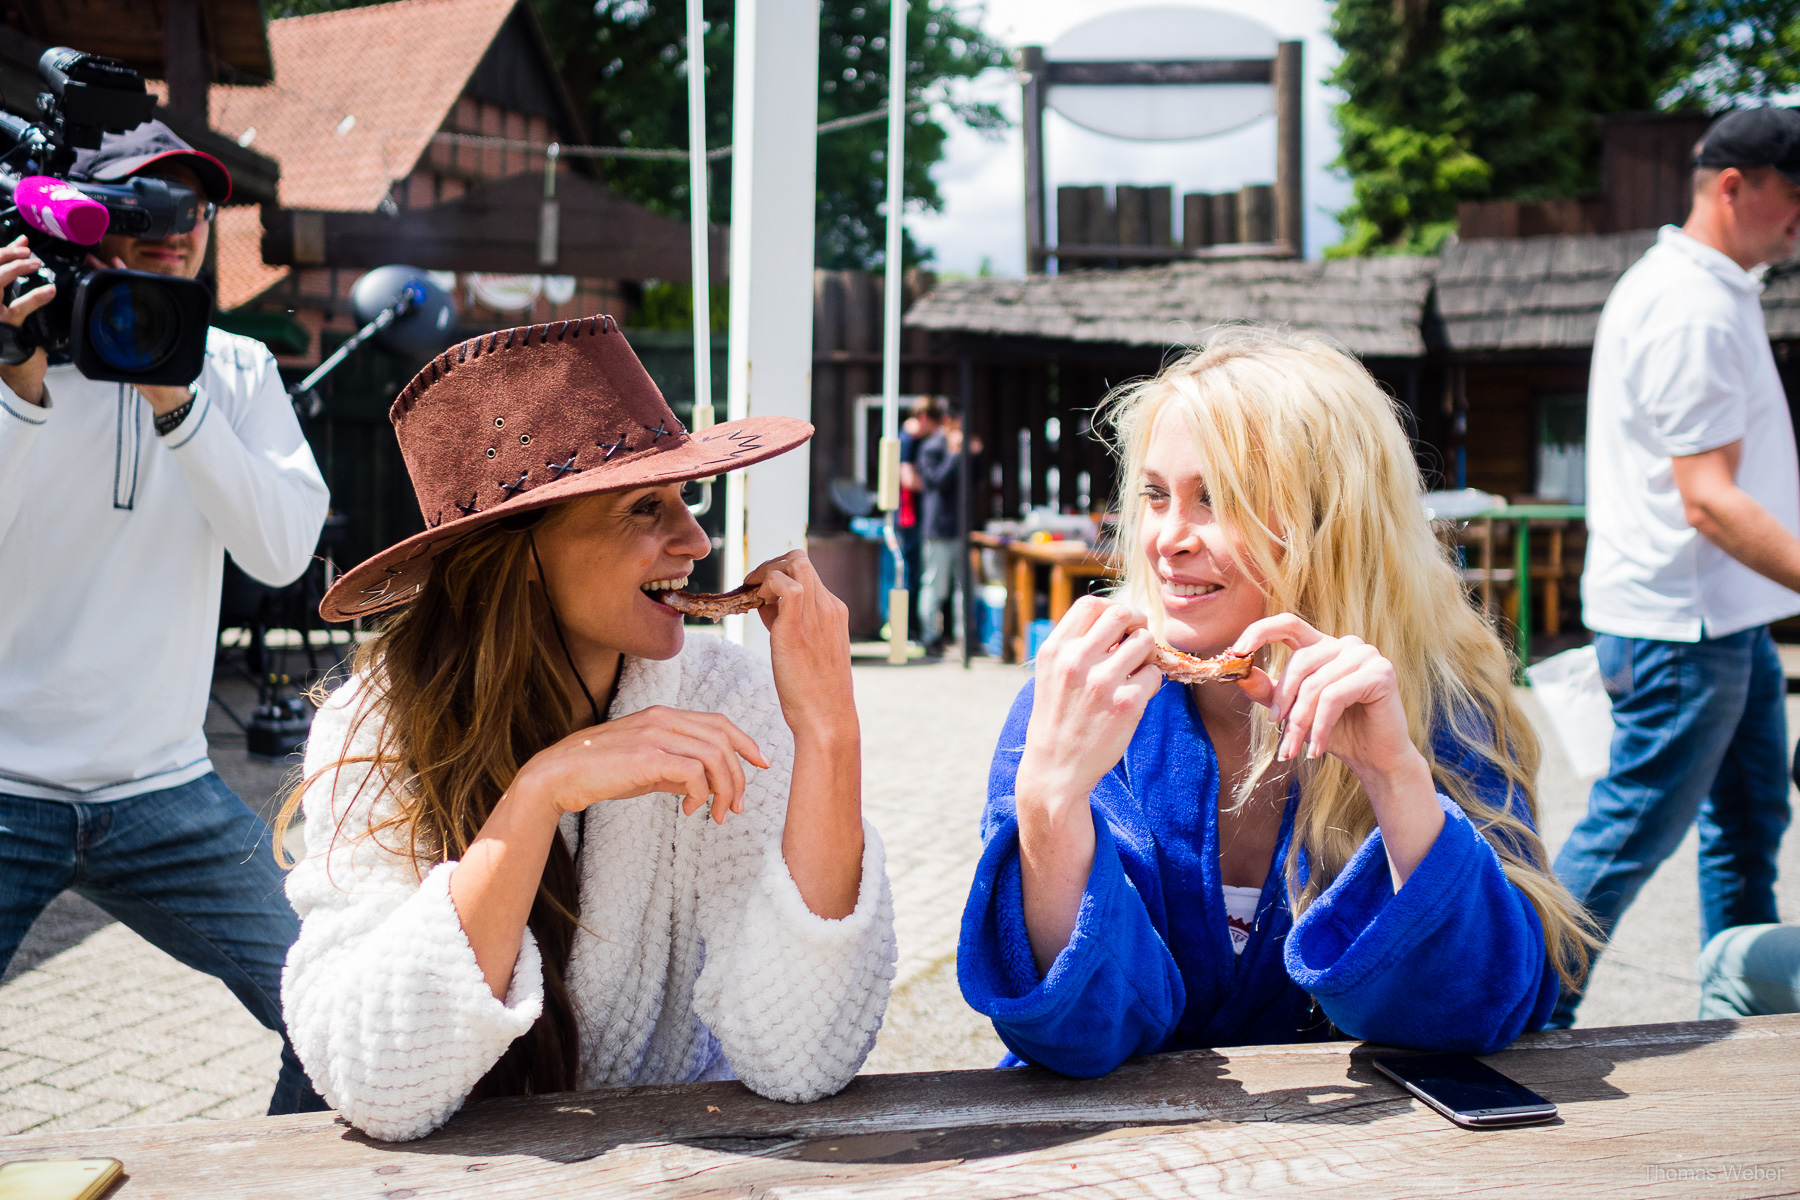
(1545, 293)
(1536, 293)
(1371, 306)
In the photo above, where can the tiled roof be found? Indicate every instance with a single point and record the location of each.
(358, 94)
(242, 274)
(1545, 293)
(1370, 306)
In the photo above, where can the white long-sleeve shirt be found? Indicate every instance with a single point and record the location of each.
(112, 544)
(695, 957)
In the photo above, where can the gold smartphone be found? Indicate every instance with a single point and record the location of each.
(59, 1179)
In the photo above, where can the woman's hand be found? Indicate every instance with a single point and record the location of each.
(659, 749)
(809, 645)
(809, 649)
(1340, 696)
(1093, 684)
(1092, 687)
(1336, 695)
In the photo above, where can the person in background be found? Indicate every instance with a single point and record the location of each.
(940, 471)
(1693, 511)
(922, 421)
(1750, 971)
(117, 506)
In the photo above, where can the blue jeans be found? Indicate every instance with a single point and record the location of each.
(1751, 971)
(1700, 732)
(188, 868)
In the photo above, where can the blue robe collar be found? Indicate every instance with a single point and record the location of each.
(1172, 770)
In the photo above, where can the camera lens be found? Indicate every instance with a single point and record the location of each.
(134, 325)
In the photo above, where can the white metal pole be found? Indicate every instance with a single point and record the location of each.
(889, 485)
(774, 173)
(699, 229)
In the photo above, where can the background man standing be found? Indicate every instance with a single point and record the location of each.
(940, 470)
(117, 506)
(1693, 511)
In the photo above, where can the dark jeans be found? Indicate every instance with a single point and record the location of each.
(1700, 733)
(188, 868)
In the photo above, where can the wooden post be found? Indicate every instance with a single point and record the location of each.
(1196, 221)
(1160, 201)
(185, 65)
(1256, 213)
(1290, 193)
(1031, 79)
(965, 372)
(1133, 217)
(1224, 217)
(1071, 216)
(774, 169)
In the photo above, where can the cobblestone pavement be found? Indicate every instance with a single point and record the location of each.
(98, 1028)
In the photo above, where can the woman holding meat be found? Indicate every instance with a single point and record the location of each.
(1342, 842)
(509, 886)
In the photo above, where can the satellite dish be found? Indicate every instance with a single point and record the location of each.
(427, 326)
(1163, 112)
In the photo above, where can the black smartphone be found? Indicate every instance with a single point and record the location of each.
(1467, 1090)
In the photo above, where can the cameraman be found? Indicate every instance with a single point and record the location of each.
(116, 507)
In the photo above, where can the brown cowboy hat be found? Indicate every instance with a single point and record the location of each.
(518, 420)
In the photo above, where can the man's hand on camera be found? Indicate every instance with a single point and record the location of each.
(26, 380)
(162, 399)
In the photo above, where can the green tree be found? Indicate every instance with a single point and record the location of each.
(1448, 100)
(1720, 50)
(625, 62)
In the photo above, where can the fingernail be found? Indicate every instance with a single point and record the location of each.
(1312, 749)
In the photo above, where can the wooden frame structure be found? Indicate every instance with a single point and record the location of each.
(1285, 71)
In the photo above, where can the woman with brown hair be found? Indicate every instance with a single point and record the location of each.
(506, 887)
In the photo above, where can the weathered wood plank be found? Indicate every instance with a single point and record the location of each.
(1700, 1096)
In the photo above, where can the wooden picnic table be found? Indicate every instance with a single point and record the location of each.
(1067, 561)
(1522, 516)
(1647, 1110)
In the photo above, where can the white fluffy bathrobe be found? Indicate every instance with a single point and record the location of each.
(696, 957)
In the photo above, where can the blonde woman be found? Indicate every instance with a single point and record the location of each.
(553, 842)
(1341, 843)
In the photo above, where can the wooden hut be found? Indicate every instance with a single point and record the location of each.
(1032, 357)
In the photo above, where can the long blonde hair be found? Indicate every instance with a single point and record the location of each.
(1310, 469)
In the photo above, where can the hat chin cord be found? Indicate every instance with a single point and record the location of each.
(544, 582)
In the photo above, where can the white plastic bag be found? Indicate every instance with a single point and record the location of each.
(1568, 687)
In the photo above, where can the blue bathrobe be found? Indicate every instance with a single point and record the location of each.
(1454, 961)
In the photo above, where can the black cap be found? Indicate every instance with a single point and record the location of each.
(1753, 137)
(124, 154)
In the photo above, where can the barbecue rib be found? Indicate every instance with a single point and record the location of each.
(714, 606)
(1187, 668)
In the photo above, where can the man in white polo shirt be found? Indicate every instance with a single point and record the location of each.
(1693, 516)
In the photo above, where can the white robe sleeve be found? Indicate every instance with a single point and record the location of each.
(385, 1003)
(794, 999)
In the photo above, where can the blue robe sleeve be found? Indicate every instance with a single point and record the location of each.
(1113, 992)
(1455, 961)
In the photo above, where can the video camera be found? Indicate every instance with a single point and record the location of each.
(116, 325)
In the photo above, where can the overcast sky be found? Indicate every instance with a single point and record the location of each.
(982, 180)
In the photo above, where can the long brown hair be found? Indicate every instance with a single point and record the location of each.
(466, 690)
